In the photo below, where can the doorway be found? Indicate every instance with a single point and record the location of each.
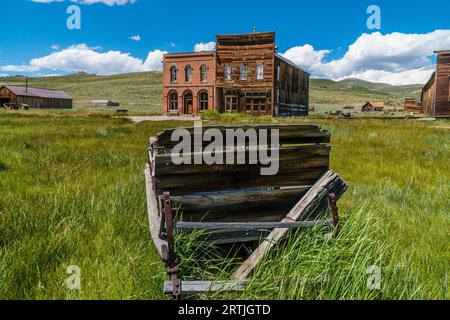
(188, 103)
(232, 103)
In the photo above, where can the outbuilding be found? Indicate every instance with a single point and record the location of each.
(436, 93)
(373, 107)
(35, 98)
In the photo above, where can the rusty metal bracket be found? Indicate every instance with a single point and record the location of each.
(169, 252)
(332, 202)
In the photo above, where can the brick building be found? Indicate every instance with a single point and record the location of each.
(244, 74)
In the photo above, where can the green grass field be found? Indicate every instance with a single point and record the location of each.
(73, 193)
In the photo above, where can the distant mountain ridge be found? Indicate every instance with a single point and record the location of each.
(412, 89)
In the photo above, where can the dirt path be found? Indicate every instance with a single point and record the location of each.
(139, 119)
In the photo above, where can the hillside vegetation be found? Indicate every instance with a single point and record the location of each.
(141, 92)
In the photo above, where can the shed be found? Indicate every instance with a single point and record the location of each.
(373, 107)
(35, 97)
(412, 106)
(436, 93)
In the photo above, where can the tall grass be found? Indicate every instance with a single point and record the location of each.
(312, 264)
(73, 193)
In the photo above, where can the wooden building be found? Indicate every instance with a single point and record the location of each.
(412, 106)
(35, 98)
(244, 74)
(373, 107)
(436, 93)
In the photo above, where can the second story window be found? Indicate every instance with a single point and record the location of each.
(173, 74)
(188, 73)
(260, 72)
(227, 72)
(243, 72)
(203, 73)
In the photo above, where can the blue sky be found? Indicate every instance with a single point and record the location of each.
(315, 34)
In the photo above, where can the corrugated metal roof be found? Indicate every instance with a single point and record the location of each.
(39, 93)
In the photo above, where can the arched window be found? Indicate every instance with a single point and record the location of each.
(173, 74)
(188, 73)
(227, 72)
(203, 101)
(173, 101)
(203, 73)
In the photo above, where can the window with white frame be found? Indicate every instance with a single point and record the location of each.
(243, 72)
(173, 74)
(260, 72)
(203, 73)
(188, 73)
(173, 101)
(227, 72)
(203, 100)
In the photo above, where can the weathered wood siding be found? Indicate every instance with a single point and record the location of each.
(239, 193)
(251, 49)
(436, 93)
(412, 105)
(7, 93)
(292, 87)
(45, 103)
(37, 102)
(428, 96)
(442, 102)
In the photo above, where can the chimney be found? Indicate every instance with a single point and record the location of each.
(254, 29)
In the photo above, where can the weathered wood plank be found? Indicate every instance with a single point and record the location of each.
(239, 205)
(288, 134)
(301, 211)
(153, 218)
(249, 225)
(297, 166)
(239, 179)
(299, 156)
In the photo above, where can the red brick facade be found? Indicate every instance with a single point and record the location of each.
(244, 74)
(188, 93)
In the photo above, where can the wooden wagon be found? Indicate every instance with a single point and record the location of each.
(235, 203)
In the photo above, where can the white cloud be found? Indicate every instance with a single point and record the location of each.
(210, 46)
(136, 38)
(395, 58)
(89, 2)
(83, 58)
(414, 76)
(55, 47)
(305, 56)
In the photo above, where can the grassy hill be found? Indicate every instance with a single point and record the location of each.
(412, 90)
(141, 92)
(135, 91)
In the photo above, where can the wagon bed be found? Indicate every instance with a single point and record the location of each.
(235, 202)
